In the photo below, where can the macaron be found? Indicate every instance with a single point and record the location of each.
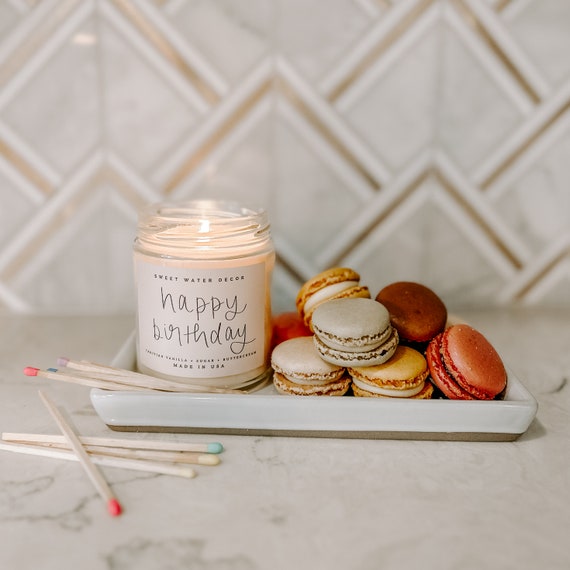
(299, 370)
(402, 376)
(465, 366)
(287, 325)
(334, 283)
(354, 332)
(416, 312)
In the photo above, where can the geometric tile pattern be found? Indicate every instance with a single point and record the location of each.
(415, 139)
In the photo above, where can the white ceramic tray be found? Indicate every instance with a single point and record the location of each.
(265, 412)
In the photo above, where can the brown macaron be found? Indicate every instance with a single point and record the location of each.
(416, 312)
(334, 283)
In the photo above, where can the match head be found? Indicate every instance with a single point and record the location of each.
(31, 371)
(114, 507)
(207, 459)
(215, 447)
(62, 361)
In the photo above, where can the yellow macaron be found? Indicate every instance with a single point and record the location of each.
(404, 375)
(334, 283)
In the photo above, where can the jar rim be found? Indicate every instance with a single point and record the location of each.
(190, 209)
(201, 223)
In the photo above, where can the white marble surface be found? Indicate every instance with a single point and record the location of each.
(284, 503)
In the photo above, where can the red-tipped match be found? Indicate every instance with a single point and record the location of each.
(114, 507)
(31, 371)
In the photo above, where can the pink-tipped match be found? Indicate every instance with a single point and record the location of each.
(31, 371)
(114, 507)
(62, 361)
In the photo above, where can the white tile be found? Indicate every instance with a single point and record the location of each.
(232, 35)
(143, 116)
(475, 115)
(396, 113)
(542, 27)
(58, 110)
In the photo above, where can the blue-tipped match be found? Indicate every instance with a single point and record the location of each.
(215, 448)
(52, 369)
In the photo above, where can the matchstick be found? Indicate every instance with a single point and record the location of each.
(213, 447)
(84, 381)
(117, 462)
(113, 505)
(162, 456)
(95, 368)
(134, 381)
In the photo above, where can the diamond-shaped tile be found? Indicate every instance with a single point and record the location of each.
(542, 28)
(425, 241)
(394, 109)
(475, 114)
(233, 36)
(315, 41)
(57, 111)
(144, 116)
(311, 203)
(85, 265)
(537, 204)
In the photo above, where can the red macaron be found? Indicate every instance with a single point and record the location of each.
(465, 366)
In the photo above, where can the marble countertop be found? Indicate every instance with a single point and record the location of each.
(282, 503)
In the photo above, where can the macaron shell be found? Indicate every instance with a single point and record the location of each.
(335, 388)
(473, 362)
(406, 369)
(323, 279)
(425, 394)
(351, 322)
(298, 358)
(415, 310)
(439, 374)
(354, 292)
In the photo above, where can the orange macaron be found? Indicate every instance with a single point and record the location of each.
(334, 283)
(404, 375)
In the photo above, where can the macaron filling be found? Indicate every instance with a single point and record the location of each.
(312, 381)
(352, 344)
(327, 292)
(335, 388)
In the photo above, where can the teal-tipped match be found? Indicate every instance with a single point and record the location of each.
(215, 447)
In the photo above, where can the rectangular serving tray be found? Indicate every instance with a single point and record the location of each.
(266, 412)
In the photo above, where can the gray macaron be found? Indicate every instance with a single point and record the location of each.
(354, 332)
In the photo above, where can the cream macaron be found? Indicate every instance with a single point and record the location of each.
(299, 370)
(334, 283)
(354, 332)
(404, 375)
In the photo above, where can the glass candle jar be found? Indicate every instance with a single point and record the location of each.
(203, 277)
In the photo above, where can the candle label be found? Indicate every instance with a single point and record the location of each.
(201, 322)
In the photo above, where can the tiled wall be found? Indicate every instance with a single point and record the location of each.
(415, 139)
